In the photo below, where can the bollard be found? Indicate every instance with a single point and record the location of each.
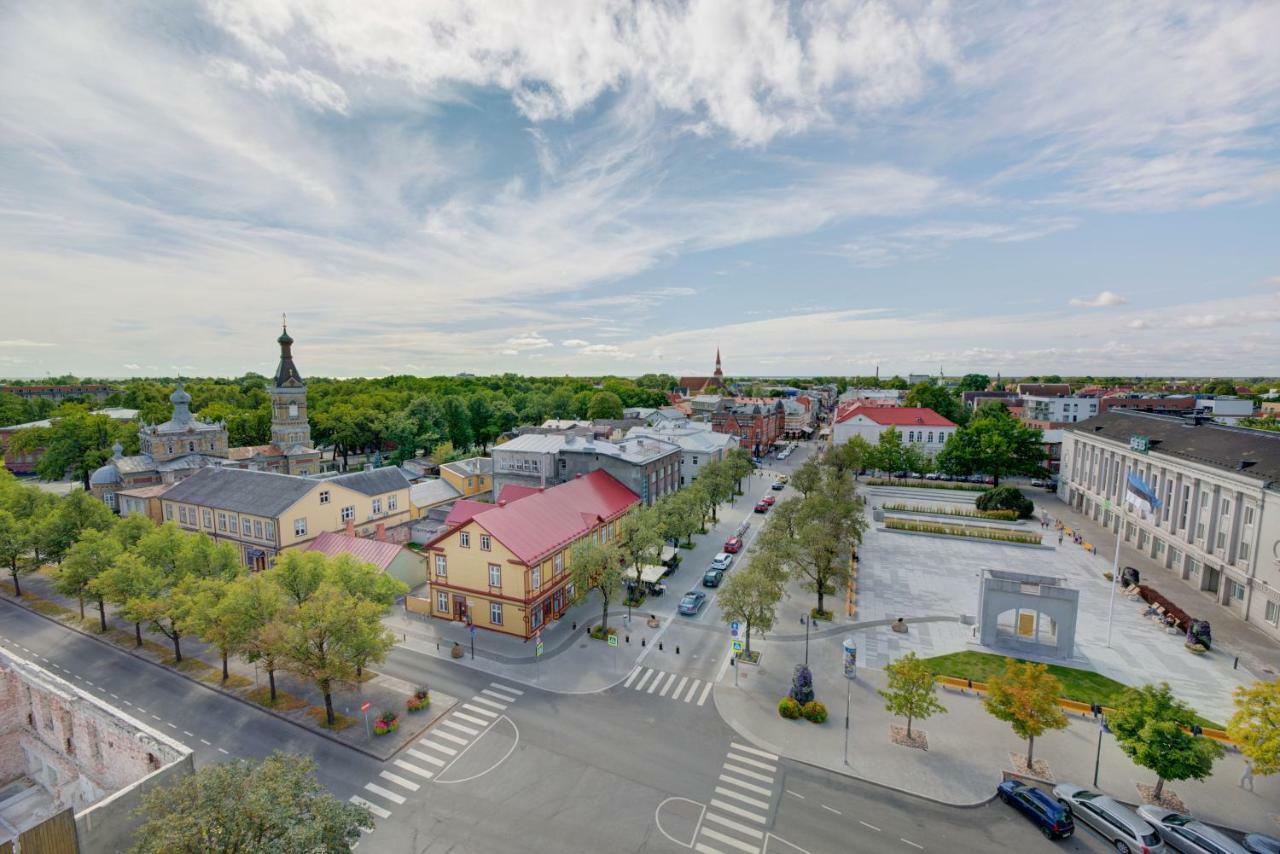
(677, 650)
(1236, 664)
(587, 629)
(659, 646)
(628, 638)
(642, 641)
(575, 625)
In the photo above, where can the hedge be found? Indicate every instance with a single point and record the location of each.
(1023, 537)
(927, 484)
(789, 708)
(1000, 515)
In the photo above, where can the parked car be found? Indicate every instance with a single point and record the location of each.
(768, 499)
(733, 545)
(782, 478)
(761, 507)
(1116, 823)
(933, 475)
(712, 578)
(691, 603)
(1184, 833)
(1260, 843)
(777, 486)
(1053, 819)
(721, 561)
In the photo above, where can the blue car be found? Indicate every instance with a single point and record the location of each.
(1053, 819)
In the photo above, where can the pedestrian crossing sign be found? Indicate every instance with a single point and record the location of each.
(538, 649)
(733, 628)
(737, 646)
(613, 640)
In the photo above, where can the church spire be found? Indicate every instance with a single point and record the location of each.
(286, 372)
(718, 373)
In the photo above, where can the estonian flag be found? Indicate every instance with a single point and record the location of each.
(1139, 495)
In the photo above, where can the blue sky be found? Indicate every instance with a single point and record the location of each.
(610, 187)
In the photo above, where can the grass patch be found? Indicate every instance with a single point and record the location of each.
(1083, 686)
(193, 665)
(340, 721)
(234, 681)
(599, 634)
(969, 531)
(284, 701)
(971, 513)
(927, 484)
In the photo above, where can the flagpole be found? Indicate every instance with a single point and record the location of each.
(1115, 563)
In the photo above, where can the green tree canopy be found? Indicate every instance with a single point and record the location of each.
(1152, 728)
(599, 567)
(1255, 725)
(994, 443)
(751, 595)
(1026, 696)
(939, 398)
(604, 404)
(974, 382)
(75, 443)
(92, 555)
(911, 692)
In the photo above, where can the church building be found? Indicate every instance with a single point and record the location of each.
(714, 384)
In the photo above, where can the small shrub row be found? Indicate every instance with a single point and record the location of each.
(1023, 537)
(926, 484)
(600, 634)
(811, 711)
(1001, 515)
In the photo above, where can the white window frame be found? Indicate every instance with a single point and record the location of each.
(377, 505)
(495, 572)
(495, 611)
(324, 496)
(348, 513)
(486, 543)
(442, 566)
(391, 503)
(464, 539)
(535, 577)
(208, 519)
(300, 527)
(442, 601)
(246, 527)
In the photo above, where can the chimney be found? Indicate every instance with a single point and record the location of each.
(382, 532)
(351, 528)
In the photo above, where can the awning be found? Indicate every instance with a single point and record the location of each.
(807, 429)
(668, 552)
(652, 574)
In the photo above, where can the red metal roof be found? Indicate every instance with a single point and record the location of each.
(514, 492)
(549, 519)
(899, 416)
(376, 552)
(464, 509)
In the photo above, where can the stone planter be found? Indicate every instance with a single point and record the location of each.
(457, 651)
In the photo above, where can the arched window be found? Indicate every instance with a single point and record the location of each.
(191, 447)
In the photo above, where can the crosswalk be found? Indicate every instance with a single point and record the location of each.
(671, 686)
(736, 818)
(432, 754)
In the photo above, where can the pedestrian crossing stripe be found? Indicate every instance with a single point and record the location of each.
(650, 681)
(373, 808)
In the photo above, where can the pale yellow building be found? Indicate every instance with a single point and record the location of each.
(470, 476)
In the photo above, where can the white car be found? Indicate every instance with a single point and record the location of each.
(721, 561)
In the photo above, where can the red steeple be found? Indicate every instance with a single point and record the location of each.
(718, 371)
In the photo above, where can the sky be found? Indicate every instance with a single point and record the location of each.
(622, 187)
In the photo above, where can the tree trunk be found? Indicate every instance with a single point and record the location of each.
(102, 615)
(821, 585)
(137, 631)
(225, 674)
(908, 726)
(1031, 745)
(177, 648)
(328, 707)
(271, 680)
(359, 671)
(604, 616)
(80, 597)
(996, 478)
(1159, 788)
(17, 588)
(748, 639)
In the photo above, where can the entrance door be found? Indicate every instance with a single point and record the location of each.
(546, 611)
(459, 607)
(1212, 578)
(559, 601)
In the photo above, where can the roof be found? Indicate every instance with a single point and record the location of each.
(377, 552)
(1240, 450)
(687, 438)
(115, 413)
(146, 491)
(373, 481)
(245, 452)
(516, 491)
(898, 416)
(430, 492)
(471, 466)
(464, 510)
(538, 524)
(258, 493)
(629, 450)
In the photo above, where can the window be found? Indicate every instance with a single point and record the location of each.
(191, 447)
(1248, 515)
(300, 527)
(208, 518)
(1200, 530)
(257, 528)
(348, 513)
(168, 512)
(324, 496)
(182, 515)
(695, 461)
(1226, 507)
(559, 563)
(442, 566)
(1273, 612)
(1236, 590)
(535, 618)
(222, 521)
(931, 437)
(1222, 540)
(442, 602)
(495, 575)
(1244, 550)
(535, 577)
(246, 527)
(485, 543)
(271, 530)
(377, 505)
(495, 613)
(391, 502)
(464, 539)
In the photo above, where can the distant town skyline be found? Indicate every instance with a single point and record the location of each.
(817, 188)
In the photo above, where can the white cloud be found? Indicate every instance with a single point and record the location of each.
(24, 343)
(1102, 300)
(929, 238)
(132, 367)
(574, 342)
(528, 341)
(1139, 323)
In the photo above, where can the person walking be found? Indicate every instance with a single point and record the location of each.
(1246, 779)
(1059, 538)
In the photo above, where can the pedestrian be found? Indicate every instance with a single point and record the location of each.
(1247, 777)
(1059, 538)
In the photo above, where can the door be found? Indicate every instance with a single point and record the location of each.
(459, 607)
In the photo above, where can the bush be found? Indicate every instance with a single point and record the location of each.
(926, 484)
(789, 708)
(1006, 498)
(815, 712)
(904, 507)
(815, 614)
(599, 634)
(387, 722)
(419, 701)
(957, 530)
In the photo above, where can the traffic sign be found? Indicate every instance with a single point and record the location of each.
(737, 646)
(537, 650)
(613, 640)
(364, 707)
(472, 627)
(734, 626)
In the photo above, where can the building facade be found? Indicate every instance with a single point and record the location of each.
(698, 445)
(1217, 531)
(506, 567)
(648, 467)
(714, 384)
(473, 476)
(1058, 410)
(59, 393)
(757, 425)
(917, 425)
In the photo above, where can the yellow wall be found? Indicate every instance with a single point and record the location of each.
(468, 486)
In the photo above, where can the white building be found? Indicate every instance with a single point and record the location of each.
(699, 445)
(1228, 410)
(1217, 533)
(1058, 409)
(917, 426)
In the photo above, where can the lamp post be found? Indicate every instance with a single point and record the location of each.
(1097, 757)
(806, 622)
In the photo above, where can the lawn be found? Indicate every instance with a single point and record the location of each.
(1084, 686)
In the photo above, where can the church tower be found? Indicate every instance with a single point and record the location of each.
(718, 373)
(289, 425)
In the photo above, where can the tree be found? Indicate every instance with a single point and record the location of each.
(126, 584)
(1152, 728)
(481, 413)
(77, 443)
(994, 443)
(271, 807)
(911, 690)
(717, 484)
(74, 514)
(597, 566)
(808, 477)
(604, 404)
(887, 453)
(974, 382)
(930, 395)
(132, 528)
(1006, 498)
(261, 600)
(458, 428)
(739, 465)
(853, 456)
(751, 595)
(220, 620)
(15, 537)
(680, 513)
(1255, 725)
(1026, 696)
(640, 538)
(92, 555)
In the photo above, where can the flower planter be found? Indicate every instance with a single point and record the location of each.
(418, 702)
(384, 727)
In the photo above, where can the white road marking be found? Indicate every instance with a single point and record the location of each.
(675, 695)
(87, 682)
(220, 750)
(479, 711)
(750, 787)
(729, 793)
(912, 844)
(389, 795)
(692, 689)
(448, 736)
(830, 809)
(730, 841)
(706, 849)
(654, 683)
(635, 671)
(506, 688)
(188, 733)
(667, 687)
(504, 697)
(705, 692)
(425, 757)
(139, 708)
(488, 702)
(872, 826)
(645, 678)
(472, 718)
(170, 725)
(735, 825)
(115, 696)
(795, 794)
(373, 808)
(751, 775)
(755, 763)
(399, 781)
(440, 747)
(414, 769)
(206, 743)
(736, 810)
(742, 748)
(157, 717)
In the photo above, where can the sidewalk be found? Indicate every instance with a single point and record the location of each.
(967, 747)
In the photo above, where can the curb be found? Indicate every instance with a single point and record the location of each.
(202, 684)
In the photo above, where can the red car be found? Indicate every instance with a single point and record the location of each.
(733, 545)
(761, 507)
(768, 499)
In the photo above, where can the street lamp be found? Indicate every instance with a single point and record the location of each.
(1097, 758)
(806, 621)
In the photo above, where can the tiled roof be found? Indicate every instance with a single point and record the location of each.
(257, 493)
(373, 482)
(898, 416)
(537, 525)
(376, 552)
(464, 510)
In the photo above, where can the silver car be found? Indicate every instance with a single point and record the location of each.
(1184, 833)
(1118, 824)
(721, 561)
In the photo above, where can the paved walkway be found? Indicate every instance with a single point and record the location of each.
(967, 747)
